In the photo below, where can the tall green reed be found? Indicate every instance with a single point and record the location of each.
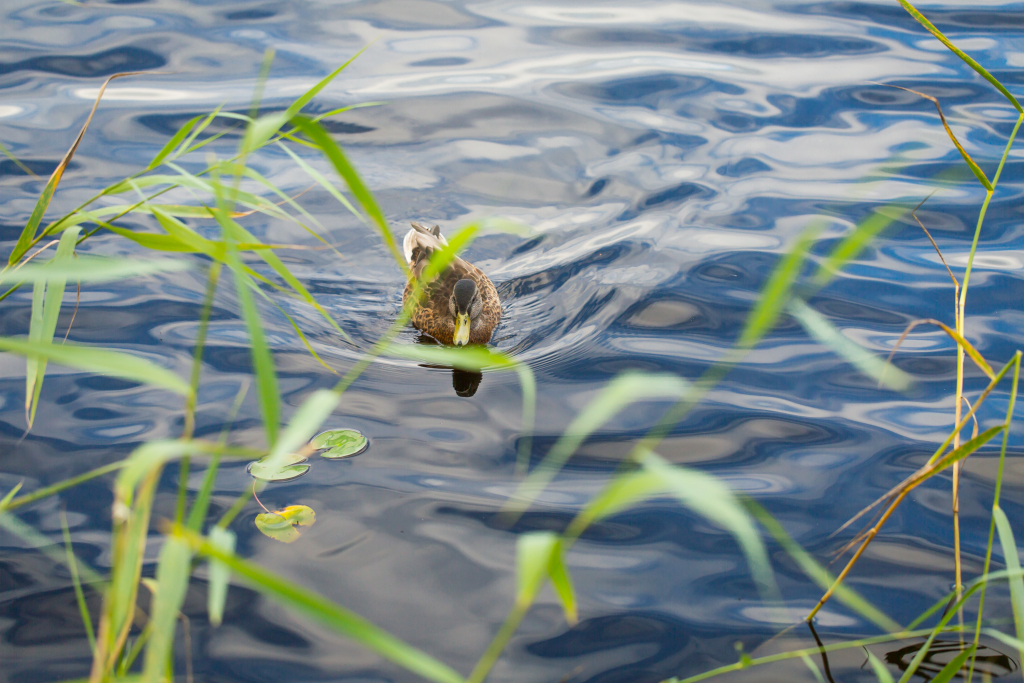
(542, 557)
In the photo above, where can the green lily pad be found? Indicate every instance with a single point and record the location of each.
(280, 525)
(292, 469)
(340, 443)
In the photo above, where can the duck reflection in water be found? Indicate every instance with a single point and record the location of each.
(465, 382)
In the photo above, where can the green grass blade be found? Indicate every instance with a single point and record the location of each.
(533, 556)
(322, 181)
(953, 667)
(959, 53)
(28, 233)
(186, 235)
(47, 547)
(620, 392)
(173, 570)
(83, 608)
(1012, 560)
(820, 328)
(5, 502)
(306, 97)
(274, 262)
(53, 299)
(821, 576)
(47, 491)
(173, 142)
(331, 150)
(327, 612)
(35, 335)
(776, 291)
(17, 162)
(709, 497)
(186, 146)
(815, 671)
(220, 574)
(469, 358)
(697, 491)
(262, 360)
(261, 130)
(303, 426)
(965, 449)
(881, 671)
(100, 361)
(152, 241)
(91, 269)
(855, 242)
(155, 454)
(258, 177)
(561, 580)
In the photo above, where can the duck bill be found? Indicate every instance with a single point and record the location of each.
(461, 329)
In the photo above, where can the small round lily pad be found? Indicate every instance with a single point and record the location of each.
(292, 469)
(340, 443)
(282, 525)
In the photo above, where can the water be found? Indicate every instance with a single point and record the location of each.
(665, 154)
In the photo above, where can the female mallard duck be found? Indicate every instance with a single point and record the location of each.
(461, 306)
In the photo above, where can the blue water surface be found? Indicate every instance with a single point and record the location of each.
(665, 155)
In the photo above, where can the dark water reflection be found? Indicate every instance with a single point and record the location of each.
(665, 154)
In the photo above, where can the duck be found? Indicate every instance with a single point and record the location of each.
(461, 305)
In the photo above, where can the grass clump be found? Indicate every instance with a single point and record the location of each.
(541, 556)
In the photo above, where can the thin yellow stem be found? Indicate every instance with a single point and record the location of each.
(856, 556)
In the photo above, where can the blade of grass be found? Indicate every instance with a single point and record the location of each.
(953, 667)
(881, 672)
(620, 392)
(35, 335)
(47, 491)
(262, 360)
(87, 268)
(820, 328)
(302, 427)
(166, 150)
(220, 574)
(325, 611)
(28, 234)
(818, 573)
(323, 181)
(1012, 560)
(855, 242)
(775, 294)
(975, 169)
(202, 502)
(17, 162)
(6, 500)
(83, 608)
(330, 149)
(100, 361)
(47, 547)
(959, 53)
(53, 299)
(172, 574)
(536, 556)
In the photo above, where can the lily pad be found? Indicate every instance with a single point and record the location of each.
(340, 443)
(280, 525)
(292, 469)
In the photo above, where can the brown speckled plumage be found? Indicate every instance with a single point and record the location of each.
(433, 315)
